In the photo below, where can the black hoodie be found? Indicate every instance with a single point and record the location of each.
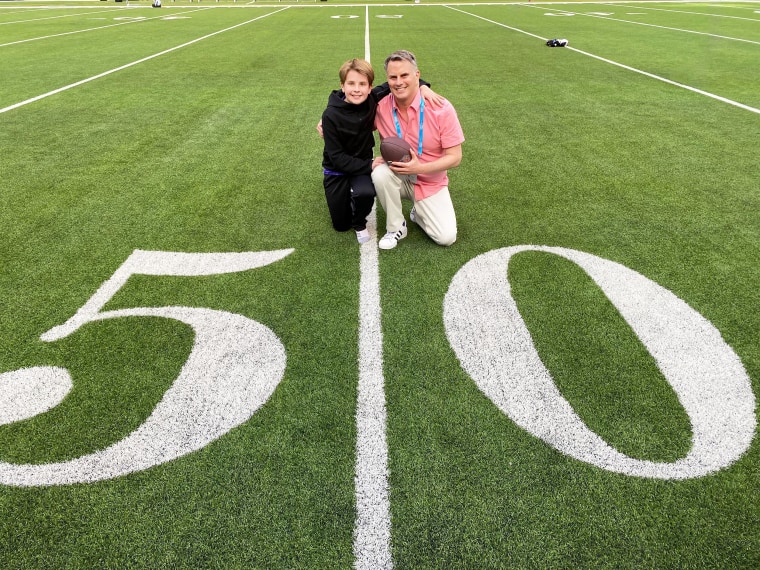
(347, 130)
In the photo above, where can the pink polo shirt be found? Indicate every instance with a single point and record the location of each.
(441, 130)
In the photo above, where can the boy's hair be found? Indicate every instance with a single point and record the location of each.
(401, 55)
(360, 65)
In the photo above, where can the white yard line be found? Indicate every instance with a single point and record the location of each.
(627, 67)
(55, 17)
(133, 21)
(15, 9)
(642, 7)
(372, 529)
(128, 65)
(367, 54)
(646, 24)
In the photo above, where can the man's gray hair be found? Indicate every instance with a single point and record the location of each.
(401, 55)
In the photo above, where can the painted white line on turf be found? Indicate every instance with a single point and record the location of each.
(482, 318)
(367, 54)
(627, 67)
(128, 65)
(234, 366)
(53, 17)
(6, 10)
(372, 528)
(601, 17)
(32, 391)
(131, 21)
(687, 12)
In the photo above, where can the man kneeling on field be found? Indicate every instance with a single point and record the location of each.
(436, 138)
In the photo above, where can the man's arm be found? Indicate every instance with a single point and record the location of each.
(430, 96)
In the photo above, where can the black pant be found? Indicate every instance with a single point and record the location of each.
(350, 200)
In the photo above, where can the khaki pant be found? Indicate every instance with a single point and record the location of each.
(434, 214)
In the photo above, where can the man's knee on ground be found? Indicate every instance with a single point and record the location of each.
(445, 237)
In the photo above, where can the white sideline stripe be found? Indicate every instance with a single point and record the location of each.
(650, 25)
(629, 68)
(136, 21)
(128, 65)
(372, 528)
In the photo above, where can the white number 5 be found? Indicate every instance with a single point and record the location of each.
(233, 368)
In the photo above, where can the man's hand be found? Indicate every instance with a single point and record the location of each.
(319, 129)
(431, 97)
(413, 166)
(451, 158)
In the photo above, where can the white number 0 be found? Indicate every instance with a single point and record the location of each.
(495, 348)
(233, 368)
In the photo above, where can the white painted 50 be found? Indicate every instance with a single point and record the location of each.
(236, 363)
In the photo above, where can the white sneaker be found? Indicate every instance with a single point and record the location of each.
(391, 239)
(413, 215)
(362, 236)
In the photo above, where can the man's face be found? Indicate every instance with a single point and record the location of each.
(356, 87)
(404, 80)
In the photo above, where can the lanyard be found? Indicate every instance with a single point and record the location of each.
(422, 121)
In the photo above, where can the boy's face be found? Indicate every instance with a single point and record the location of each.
(356, 87)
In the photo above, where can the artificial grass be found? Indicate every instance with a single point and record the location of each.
(213, 148)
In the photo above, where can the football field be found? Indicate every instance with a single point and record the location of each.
(196, 371)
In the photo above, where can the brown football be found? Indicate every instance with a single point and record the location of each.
(394, 149)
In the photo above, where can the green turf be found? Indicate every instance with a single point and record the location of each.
(212, 148)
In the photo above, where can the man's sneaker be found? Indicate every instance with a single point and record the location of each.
(413, 215)
(362, 236)
(391, 239)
